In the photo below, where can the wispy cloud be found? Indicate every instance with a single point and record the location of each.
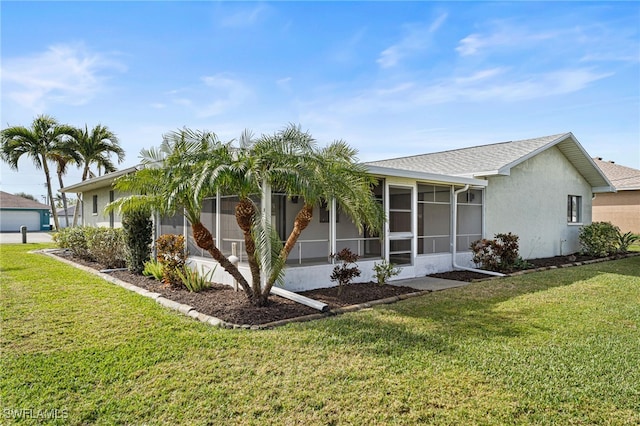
(489, 85)
(64, 73)
(416, 39)
(227, 93)
(245, 16)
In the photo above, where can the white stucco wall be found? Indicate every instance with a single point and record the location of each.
(532, 203)
(101, 218)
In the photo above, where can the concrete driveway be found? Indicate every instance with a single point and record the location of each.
(32, 237)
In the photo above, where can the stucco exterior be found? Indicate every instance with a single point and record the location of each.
(532, 203)
(621, 208)
(99, 217)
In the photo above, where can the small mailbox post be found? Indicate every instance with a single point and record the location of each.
(23, 231)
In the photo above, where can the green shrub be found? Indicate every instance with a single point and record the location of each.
(499, 254)
(138, 236)
(172, 256)
(599, 239)
(106, 246)
(626, 240)
(153, 268)
(193, 281)
(384, 271)
(73, 239)
(345, 273)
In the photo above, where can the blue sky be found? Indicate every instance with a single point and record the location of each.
(390, 78)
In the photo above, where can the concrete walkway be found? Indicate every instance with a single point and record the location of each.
(429, 283)
(32, 237)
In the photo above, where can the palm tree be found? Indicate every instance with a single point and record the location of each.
(166, 185)
(191, 165)
(96, 148)
(62, 155)
(290, 161)
(37, 143)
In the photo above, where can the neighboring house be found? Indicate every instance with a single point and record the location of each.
(621, 208)
(16, 211)
(94, 194)
(67, 217)
(540, 189)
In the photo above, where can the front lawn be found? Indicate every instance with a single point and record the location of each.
(554, 347)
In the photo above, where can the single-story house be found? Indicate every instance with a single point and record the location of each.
(67, 217)
(436, 205)
(16, 211)
(622, 208)
(94, 194)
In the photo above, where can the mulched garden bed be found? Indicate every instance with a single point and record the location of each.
(221, 301)
(546, 262)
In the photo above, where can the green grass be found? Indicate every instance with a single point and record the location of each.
(556, 347)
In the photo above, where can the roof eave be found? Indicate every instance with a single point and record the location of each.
(430, 177)
(98, 182)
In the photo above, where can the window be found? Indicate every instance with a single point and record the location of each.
(95, 204)
(574, 209)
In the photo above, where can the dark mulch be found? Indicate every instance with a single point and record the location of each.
(535, 263)
(223, 302)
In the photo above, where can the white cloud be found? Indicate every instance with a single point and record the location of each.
(227, 93)
(245, 17)
(65, 74)
(418, 38)
(490, 85)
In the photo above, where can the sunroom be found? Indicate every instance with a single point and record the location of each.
(423, 212)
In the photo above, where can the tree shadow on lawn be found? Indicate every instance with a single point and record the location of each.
(437, 322)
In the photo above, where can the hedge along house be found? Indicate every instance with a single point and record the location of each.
(435, 204)
(16, 211)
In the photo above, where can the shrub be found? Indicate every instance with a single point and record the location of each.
(106, 246)
(599, 239)
(345, 273)
(499, 254)
(172, 256)
(73, 239)
(153, 268)
(385, 270)
(193, 281)
(625, 240)
(138, 236)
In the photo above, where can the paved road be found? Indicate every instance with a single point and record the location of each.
(32, 237)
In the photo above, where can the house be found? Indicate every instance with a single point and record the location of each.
(621, 208)
(94, 194)
(16, 211)
(436, 205)
(66, 218)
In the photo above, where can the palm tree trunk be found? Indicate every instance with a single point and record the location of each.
(204, 240)
(85, 173)
(52, 202)
(64, 199)
(303, 219)
(245, 212)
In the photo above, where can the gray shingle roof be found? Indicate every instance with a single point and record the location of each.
(622, 177)
(473, 161)
(10, 201)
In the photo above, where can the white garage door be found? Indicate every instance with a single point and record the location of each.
(12, 220)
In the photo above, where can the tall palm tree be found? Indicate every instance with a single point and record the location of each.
(63, 154)
(37, 143)
(95, 147)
